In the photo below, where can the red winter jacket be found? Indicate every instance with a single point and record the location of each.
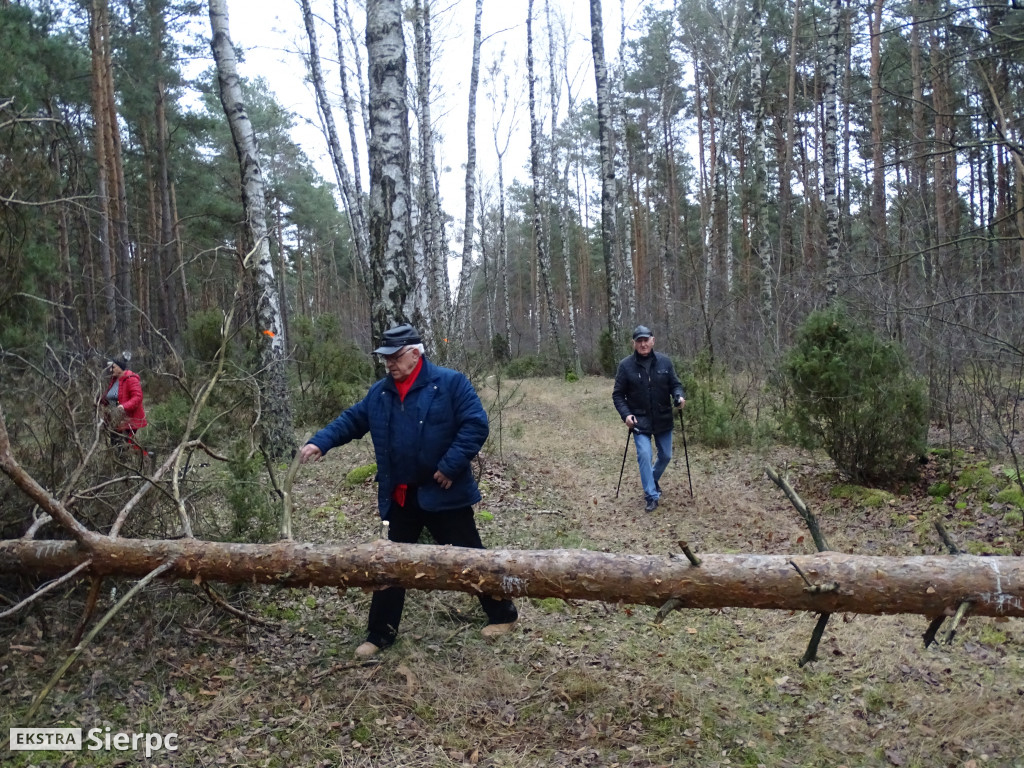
(129, 395)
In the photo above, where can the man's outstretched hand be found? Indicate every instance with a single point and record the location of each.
(308, 453)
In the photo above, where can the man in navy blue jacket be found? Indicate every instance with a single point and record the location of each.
(427, 424)
(646, 388)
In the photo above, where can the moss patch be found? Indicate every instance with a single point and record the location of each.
(360, 475)
(980, 478)
(1011, 495)
(868, 497)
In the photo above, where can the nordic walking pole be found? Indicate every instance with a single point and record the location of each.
(685, 452)
(628, 435)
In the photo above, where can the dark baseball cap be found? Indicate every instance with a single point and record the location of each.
(396, 338)
(641, 332)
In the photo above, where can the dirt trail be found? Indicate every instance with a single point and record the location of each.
(572, 440)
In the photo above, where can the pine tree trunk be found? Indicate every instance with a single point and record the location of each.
(98, 43)
(277, 435)
(926, 585)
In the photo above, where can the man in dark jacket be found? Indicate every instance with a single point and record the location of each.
(646, 387)
(427, 424)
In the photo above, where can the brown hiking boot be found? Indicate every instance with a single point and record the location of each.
(497, 630)
(367, 650)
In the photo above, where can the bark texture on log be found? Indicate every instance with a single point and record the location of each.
(926, 585)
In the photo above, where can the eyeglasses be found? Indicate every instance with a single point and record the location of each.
(394, 357)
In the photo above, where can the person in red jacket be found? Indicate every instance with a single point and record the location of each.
(124, 413)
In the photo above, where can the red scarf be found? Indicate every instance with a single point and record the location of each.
(403, 388)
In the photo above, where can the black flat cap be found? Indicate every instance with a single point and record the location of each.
(396, 338)
(641, 332)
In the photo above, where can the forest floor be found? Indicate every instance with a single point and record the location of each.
(576, 683)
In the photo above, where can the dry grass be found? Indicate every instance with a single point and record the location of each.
(583, 684)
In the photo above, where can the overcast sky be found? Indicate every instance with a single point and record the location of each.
(271, 34)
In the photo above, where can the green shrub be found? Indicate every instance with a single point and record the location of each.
(712, 414)
(203, 334)
(330, 374)
(607, 358)
(499, 348)
(253, 504)
(530, 366)
(853, 394)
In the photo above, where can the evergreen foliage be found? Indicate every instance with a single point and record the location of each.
(854, 395)
(331, 374)
(714, 416)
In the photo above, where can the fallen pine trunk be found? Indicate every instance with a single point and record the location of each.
(836, 582)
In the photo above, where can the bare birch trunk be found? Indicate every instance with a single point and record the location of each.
(831, 150)
(434, 310)
(465, 293)
(390, 192)
(609, 238)
(536, 188)
(786, 167)
(277, 436)
(760, 191)
(348, 182)
(926, 585)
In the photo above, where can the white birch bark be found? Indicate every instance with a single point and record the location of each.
(427, 241)
(543, 257)
(830, 160)
(560, 187)
(391, 271)
(276, 417)
(501, 129)
(465, 292)
(348, 183)
(626, 247)
(609, 244)
(764, 248)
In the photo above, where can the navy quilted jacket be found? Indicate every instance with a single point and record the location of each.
(441, 425)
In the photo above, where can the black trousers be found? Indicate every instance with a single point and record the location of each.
(455, 527)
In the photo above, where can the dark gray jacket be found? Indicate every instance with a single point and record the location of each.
(647, 388)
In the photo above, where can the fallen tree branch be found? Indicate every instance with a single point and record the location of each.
(927, 585)
(46, 501)
(811, 654)
(812, 522)
(44, 589)
(73, 656)
(219, 601)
